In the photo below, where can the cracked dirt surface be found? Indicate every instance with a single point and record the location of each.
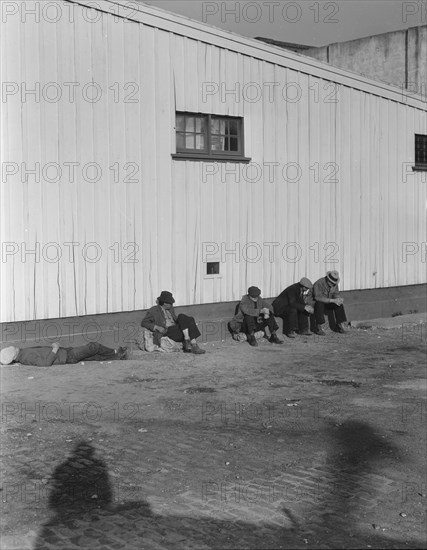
(318, 443)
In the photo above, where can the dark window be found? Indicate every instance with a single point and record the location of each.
(210, 137)
(212, 268)
(421, 151)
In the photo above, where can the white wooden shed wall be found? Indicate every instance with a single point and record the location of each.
(174, 206)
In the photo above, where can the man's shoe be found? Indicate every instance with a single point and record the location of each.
(291, 334)
(122, 354)
(187, 347)
(195, 349)
(304, 332)
(319, 331)
(340, 329)
(252, 341)
(274, 339)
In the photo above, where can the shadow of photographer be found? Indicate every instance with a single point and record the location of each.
(86, 514)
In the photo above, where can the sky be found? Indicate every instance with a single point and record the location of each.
(308, 22)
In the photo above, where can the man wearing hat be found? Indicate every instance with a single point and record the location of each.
(46, 356)
(253, 314)
(163, 321)
(327, 299)
(295, 305)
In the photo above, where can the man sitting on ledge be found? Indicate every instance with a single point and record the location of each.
(295, 305)
(328, 300)
(163, 321)
(254, 314)
(46, 356)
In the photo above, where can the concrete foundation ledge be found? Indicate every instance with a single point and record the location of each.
(114, 329)
(400, 321)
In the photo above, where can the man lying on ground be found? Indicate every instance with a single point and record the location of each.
(46, 356)
(163, 321)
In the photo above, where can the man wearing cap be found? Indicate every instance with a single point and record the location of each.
(295, 305)
(327, 299)
(46, 356)
(254, 314)
(163, 321)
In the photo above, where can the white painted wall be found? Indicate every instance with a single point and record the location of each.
(163, 217)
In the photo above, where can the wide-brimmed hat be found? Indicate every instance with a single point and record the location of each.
(254, 292)
(166, 297)
(7, 355)
(333, 276)
(306, 283)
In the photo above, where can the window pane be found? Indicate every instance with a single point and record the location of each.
(200, 141)
(200, 124)
(180, 123)
(189, 141)
(180, 141)
(218, 143)
(218, 126)
(189, 123)
(215, 126)
(234, 144)
(420, 149)
(233, 127)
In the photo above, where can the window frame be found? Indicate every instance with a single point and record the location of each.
(419, 166)
(208, 153)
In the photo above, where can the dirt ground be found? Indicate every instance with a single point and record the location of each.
(318, 443)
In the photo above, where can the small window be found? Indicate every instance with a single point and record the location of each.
(212, 268)
(420, 152)
(209, 137)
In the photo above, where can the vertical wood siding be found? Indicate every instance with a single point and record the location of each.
(163, 216)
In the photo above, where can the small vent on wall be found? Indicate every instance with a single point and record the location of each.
(212, 268)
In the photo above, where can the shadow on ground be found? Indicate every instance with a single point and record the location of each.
(85, 516)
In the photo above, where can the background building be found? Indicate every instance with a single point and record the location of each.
(143, 151)
(398, 58)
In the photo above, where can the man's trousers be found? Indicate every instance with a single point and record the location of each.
(336, 314)
(183, 322)
(250, 324)
(293, 319)
(90, 352)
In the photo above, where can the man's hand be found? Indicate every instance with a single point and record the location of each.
(309, 309)
(266, 312)
(55, 347)
(160, 329)
(338, 301)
